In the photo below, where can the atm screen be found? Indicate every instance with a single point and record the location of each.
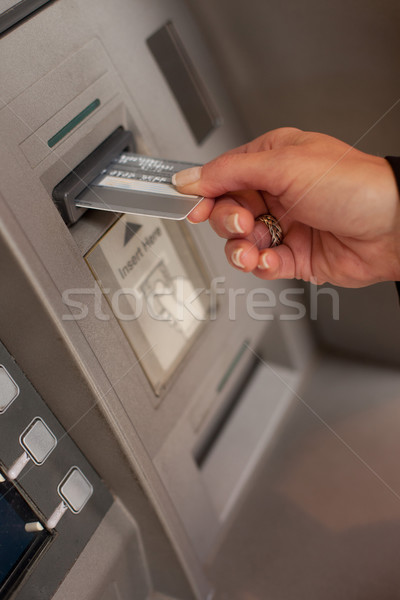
(18, 544)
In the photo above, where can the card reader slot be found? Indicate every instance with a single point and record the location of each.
(144, 189)
(65, 192)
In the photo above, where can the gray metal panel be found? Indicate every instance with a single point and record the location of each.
(40, 484)
(322, 516)
(75, 400)
(115, 553)
(97, 388)
(93, 368)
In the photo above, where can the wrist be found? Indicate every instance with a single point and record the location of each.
(394, 163)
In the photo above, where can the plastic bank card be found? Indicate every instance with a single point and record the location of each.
(139, 185)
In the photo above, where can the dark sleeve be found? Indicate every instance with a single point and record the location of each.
(394, 162)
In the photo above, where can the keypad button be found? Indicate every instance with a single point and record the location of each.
(75, 490)
(8, 389)
(38, 441)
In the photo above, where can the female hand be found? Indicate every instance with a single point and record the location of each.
(338, 207)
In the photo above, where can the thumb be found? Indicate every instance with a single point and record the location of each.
(265, 171)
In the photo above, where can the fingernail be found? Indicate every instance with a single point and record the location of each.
(186, 177)
(236, 254)
(189, 218)
(232, 224)
(264, 263)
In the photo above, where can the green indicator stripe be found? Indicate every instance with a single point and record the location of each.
(231, 367)
(73, 123)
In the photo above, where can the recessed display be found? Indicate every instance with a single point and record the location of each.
(184, 81)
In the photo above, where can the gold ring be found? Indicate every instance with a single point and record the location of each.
(274, 229)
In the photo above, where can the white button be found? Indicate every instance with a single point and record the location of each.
(8, 389)
(38, 441)
(75, 490)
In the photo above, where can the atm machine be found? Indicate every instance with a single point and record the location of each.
(178, 453)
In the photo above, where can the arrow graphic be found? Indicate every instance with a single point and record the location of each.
(131, 230)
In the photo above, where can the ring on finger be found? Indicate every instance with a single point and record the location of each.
(274, 228)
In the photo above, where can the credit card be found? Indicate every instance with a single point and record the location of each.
(139, 185)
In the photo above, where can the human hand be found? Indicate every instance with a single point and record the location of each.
(338, 207)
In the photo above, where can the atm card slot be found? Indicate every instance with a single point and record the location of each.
(111, 179)
(65, 192)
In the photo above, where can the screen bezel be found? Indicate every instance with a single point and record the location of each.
(39, 544)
